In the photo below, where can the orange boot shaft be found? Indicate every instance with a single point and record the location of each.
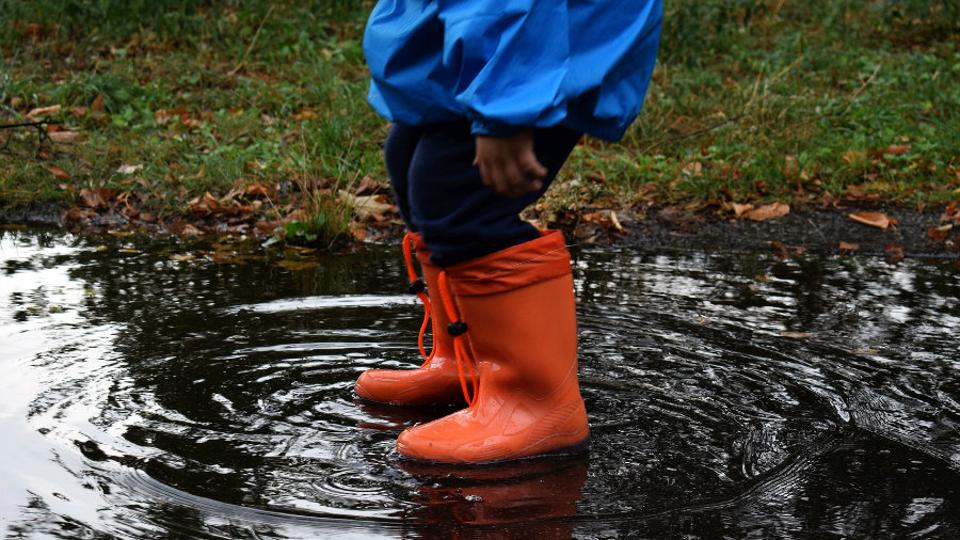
(434, 382)
(517, 309)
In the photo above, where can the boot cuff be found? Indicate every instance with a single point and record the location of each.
(517, 266)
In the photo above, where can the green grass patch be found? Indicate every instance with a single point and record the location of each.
(752, 101)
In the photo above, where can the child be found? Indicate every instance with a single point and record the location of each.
(488, 98)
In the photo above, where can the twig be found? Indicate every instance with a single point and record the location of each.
(253, 42)
(37, 124)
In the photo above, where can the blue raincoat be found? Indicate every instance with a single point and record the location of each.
(504, 64)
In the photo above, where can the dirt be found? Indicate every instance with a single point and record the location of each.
(813, 231)
(803, 231)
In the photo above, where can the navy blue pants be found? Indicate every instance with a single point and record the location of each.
(441, 195)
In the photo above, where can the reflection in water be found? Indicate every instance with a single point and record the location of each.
(733, 395)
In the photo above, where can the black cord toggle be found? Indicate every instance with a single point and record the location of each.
(417, 287)
(457, 328)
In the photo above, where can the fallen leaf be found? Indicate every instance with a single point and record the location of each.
(358, 231)
(44, 111)
(586, 233)
(939, 234)
(97, 105)
(847, 247)
(607, 219)
(65, 137)
(897, 149)
(368, 206)
(768, 211)
(183, 257)
(58, 172)
(266, 226)
(951, 214)
(368, 186)
(740, 209)
(873, 219)
(78, 214)
(616, 221)
(894, 253)
(129, 169)
(780, 249)
(305, 114)
(258, 190)
(97, 198)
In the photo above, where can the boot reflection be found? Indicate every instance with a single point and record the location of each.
(532, 495)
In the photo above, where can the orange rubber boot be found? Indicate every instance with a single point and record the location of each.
(515, 339)
(436, 381)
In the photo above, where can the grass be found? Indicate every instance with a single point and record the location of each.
(752, 101)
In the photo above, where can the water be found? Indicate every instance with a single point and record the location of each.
(148, 394)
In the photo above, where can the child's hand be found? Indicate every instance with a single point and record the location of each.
(508, 165)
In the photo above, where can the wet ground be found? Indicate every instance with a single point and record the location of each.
(151, 392)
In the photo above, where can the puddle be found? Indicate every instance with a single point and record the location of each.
(152, 395)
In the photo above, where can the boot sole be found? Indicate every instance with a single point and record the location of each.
(575, 449)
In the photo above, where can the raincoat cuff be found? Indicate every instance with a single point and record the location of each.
(483, 127)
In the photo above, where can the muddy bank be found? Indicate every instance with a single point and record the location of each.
(803, 231)
(812, 231)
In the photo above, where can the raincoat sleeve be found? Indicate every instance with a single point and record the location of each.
(511, 58)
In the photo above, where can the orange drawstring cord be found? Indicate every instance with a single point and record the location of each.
(417, 287)
(457, 329)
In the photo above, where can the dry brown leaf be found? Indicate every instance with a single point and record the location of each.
(607, 219)
(58, 172)
(779, 249)
(615, 221)
(897, 149)
(358, 231)
(847, 247)
(266, 227)
(740, 209)
(306, 114)
(368, 206)
(939, 234)
(258, 190)
(894, 253)
(97, 198)
(64, 137)
(368, 186)
(78, 214)
(873, 219)
(44, 111)
(768, 211)
(98, 105)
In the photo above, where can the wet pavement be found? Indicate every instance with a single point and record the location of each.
(151, 391)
